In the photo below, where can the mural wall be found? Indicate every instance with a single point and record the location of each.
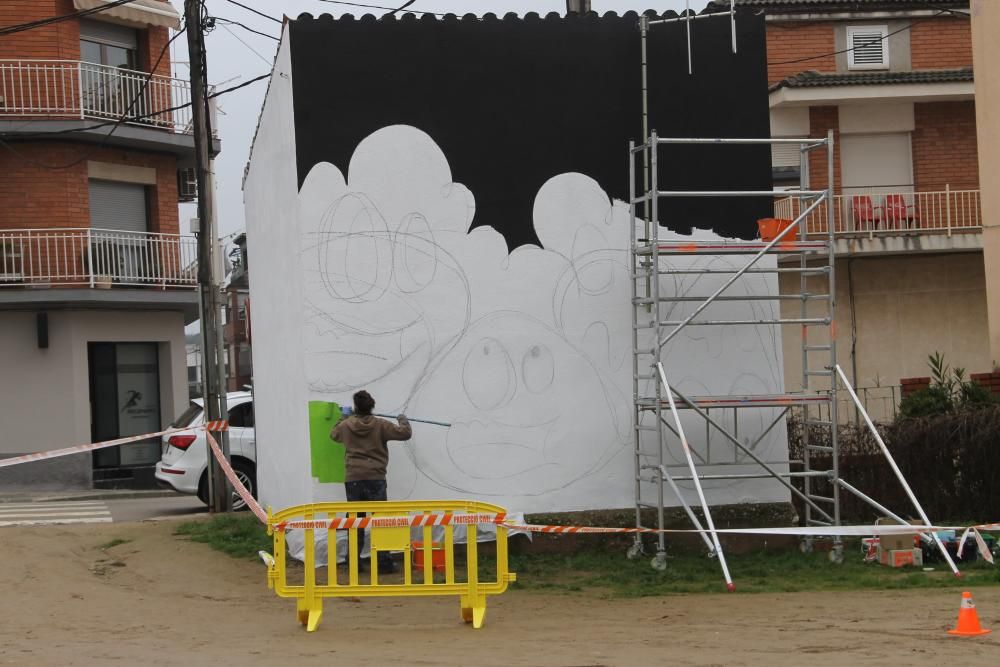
(379, 271)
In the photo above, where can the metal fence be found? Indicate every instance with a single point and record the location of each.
(880, 402)
(888, 213)
(97, 258)
(75, 89)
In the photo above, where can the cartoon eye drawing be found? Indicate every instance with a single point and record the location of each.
(415, 254)
(538, 369)
(488, 375)
(355, 259)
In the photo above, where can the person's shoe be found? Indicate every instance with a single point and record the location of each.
(387, 567)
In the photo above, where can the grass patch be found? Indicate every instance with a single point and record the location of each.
(238, 535)
(612, 574)
(113, 543)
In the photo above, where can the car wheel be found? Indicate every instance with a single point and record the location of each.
(247, 474)
(203, 488)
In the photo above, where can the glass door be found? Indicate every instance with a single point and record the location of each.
(125, 400)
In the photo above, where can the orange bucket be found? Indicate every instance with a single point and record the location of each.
(437, 556)
(771, 227)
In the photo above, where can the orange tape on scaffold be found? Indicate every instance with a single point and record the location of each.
(220, 425)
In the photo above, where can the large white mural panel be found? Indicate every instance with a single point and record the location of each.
(526, 353)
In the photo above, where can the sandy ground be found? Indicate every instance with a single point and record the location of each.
(159, 600)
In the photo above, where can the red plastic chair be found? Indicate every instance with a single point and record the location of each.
(899, 214)
(863, 212)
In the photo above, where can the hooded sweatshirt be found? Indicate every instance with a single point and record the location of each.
(365, 440)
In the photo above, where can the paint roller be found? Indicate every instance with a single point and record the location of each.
(347, 410)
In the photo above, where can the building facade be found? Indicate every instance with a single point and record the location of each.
(893, 81)
(236, 332)
(96, 280)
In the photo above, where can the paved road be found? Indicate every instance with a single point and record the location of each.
(43, 512)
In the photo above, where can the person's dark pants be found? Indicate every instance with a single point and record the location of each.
(369, 489)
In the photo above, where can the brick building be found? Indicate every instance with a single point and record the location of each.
(893, 81)
(96, 281)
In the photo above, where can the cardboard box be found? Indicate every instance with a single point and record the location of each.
(901, 557)
(896, 542)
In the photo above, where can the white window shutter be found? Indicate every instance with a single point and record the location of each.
(869, 47)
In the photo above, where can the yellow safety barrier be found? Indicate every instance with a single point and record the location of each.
(393, 538)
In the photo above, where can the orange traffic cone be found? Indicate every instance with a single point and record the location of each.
(968, 619)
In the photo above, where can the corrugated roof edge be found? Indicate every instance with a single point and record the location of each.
(489, 16)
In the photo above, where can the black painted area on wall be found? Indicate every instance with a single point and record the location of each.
(515, 101)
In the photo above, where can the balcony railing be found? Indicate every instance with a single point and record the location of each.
(893, 213)
(96, 258)
(74, 89)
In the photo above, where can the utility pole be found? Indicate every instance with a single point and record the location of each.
(577, 6)
(220, 499)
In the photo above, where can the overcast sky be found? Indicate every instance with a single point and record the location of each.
(236, 55)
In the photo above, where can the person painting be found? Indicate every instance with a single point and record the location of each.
(365, 438)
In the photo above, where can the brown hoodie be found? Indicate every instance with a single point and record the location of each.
(365, 439)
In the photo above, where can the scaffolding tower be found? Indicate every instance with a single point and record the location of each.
(656, 412)
(810, 255)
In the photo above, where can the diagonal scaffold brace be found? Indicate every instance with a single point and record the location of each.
(694, 475)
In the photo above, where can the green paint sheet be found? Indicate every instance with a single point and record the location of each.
(326, 455)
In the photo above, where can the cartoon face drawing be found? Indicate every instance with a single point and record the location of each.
(512, 388)
(383, 299)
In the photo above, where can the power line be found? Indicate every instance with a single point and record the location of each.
(247, 28)
(392, 10)
(254, 11)
(152, 114)
(31, 25)
(240, 40)
(117, 123)
(909, 26)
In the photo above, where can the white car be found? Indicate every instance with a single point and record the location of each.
(183, 465)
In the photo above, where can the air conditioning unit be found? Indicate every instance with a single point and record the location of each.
(187, 184)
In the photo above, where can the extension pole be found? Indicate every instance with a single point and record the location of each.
(220, 500)
(414, 419)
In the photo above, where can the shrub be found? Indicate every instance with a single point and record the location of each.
(949, 392)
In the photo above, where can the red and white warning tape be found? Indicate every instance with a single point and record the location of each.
(227, 469)
(219, 425)
(77, 449)
(445, 519)
(416, 520)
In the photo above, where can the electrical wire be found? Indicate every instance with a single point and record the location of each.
(240, 40)
(117, 123)
(908, 26)
(247, 28)
(392, 10)
(254, 11)
(31, 25)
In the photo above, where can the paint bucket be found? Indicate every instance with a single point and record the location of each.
(437, 556)
(771, 227)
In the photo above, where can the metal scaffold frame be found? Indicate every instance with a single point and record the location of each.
(652, 331)
(650, 263)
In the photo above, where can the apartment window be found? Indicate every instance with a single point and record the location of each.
(869, 47)
(108, 44)
(119, 218)
(121, 207)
